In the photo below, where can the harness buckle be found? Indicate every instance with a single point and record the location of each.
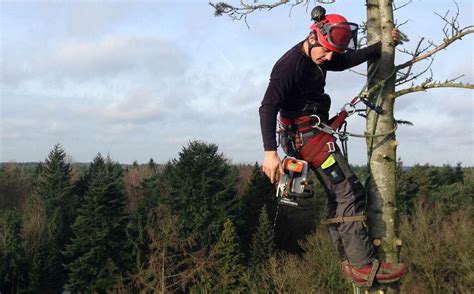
(331, 147)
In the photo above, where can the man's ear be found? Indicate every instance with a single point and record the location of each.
(312, 38)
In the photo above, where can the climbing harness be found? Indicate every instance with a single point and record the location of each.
(312, 140)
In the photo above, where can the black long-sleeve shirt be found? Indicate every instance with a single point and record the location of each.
(297, 86)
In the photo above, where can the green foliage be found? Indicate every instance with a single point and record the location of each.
(15, 185)
(175, 216)
(169, 265)
(229, 261)
(263, 241)
(438, 249)
(429, 183)
(136, 233)
(54, 187)
(201, 189)
(317, 270)
(12, 253)
(142, 191)
(97, 250)
(258, 192)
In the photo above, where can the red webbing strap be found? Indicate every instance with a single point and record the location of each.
(339, 119)
(316, 149)
(303, 123)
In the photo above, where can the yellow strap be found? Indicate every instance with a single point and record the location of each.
(328, 162)
(343, 219)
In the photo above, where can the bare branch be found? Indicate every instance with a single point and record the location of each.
(359, 73)
(452, 32)
(240, 12)
(410, 77)
(428, 84)
(446, 43)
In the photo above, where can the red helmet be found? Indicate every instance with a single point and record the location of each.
(335, 33)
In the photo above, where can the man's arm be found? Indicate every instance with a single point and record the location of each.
(268, 121)
(353, 58)
(281, 81)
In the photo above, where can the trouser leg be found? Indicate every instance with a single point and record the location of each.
(346, 197)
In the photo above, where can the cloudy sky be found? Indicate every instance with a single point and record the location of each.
(140, 79)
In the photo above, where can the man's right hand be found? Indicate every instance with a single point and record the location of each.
(272, 166)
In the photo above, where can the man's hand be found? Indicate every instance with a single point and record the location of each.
(396, 36)
(272, 166)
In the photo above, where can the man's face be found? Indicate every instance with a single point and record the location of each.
(320, 55)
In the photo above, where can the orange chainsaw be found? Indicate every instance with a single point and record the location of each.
(293, 184)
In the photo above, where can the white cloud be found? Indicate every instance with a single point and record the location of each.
(85, 61)
(94, 17)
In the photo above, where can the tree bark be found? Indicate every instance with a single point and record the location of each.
(382, 158)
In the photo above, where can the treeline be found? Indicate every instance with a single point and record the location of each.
(200, 224)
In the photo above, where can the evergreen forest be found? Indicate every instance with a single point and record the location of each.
(201, 224)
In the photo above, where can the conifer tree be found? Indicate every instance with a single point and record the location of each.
(229, 261)
(263, 240)
(201, 190)
(54, 187)
(12, 253)
(141, 216)
(38, 276)
(97, 249)
(258, 192)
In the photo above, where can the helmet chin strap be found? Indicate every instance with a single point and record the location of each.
(311, 46)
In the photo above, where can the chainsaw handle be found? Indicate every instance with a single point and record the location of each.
(301, 195)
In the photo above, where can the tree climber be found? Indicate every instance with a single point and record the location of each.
(296, 91)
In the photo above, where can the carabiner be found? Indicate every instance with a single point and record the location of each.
(352, 109)
(315, 126)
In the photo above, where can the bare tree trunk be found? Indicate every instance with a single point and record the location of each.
(382, 149)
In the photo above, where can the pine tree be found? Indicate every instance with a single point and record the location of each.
(140, 218)
(97, 250)
(12, 253)
(229, 261)
(263, 246)
(54, 187)
(201, 190)
(258, 192)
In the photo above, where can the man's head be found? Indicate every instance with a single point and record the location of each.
(330, 33)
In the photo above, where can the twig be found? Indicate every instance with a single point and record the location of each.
(359, 73)
(395, 7)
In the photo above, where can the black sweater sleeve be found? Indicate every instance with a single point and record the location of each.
(350, 59)
(274, 96)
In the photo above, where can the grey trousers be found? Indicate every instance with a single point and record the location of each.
(346, 197)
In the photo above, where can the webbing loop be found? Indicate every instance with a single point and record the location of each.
(344, 219)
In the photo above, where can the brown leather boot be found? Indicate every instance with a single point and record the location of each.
(382, 272)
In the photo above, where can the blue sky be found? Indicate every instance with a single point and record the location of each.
(140, 79)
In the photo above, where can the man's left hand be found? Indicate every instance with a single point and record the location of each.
(396, 36)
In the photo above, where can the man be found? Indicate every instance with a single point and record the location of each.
(296, 91)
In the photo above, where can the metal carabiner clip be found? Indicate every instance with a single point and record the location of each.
(316, 125)
(351, 107)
